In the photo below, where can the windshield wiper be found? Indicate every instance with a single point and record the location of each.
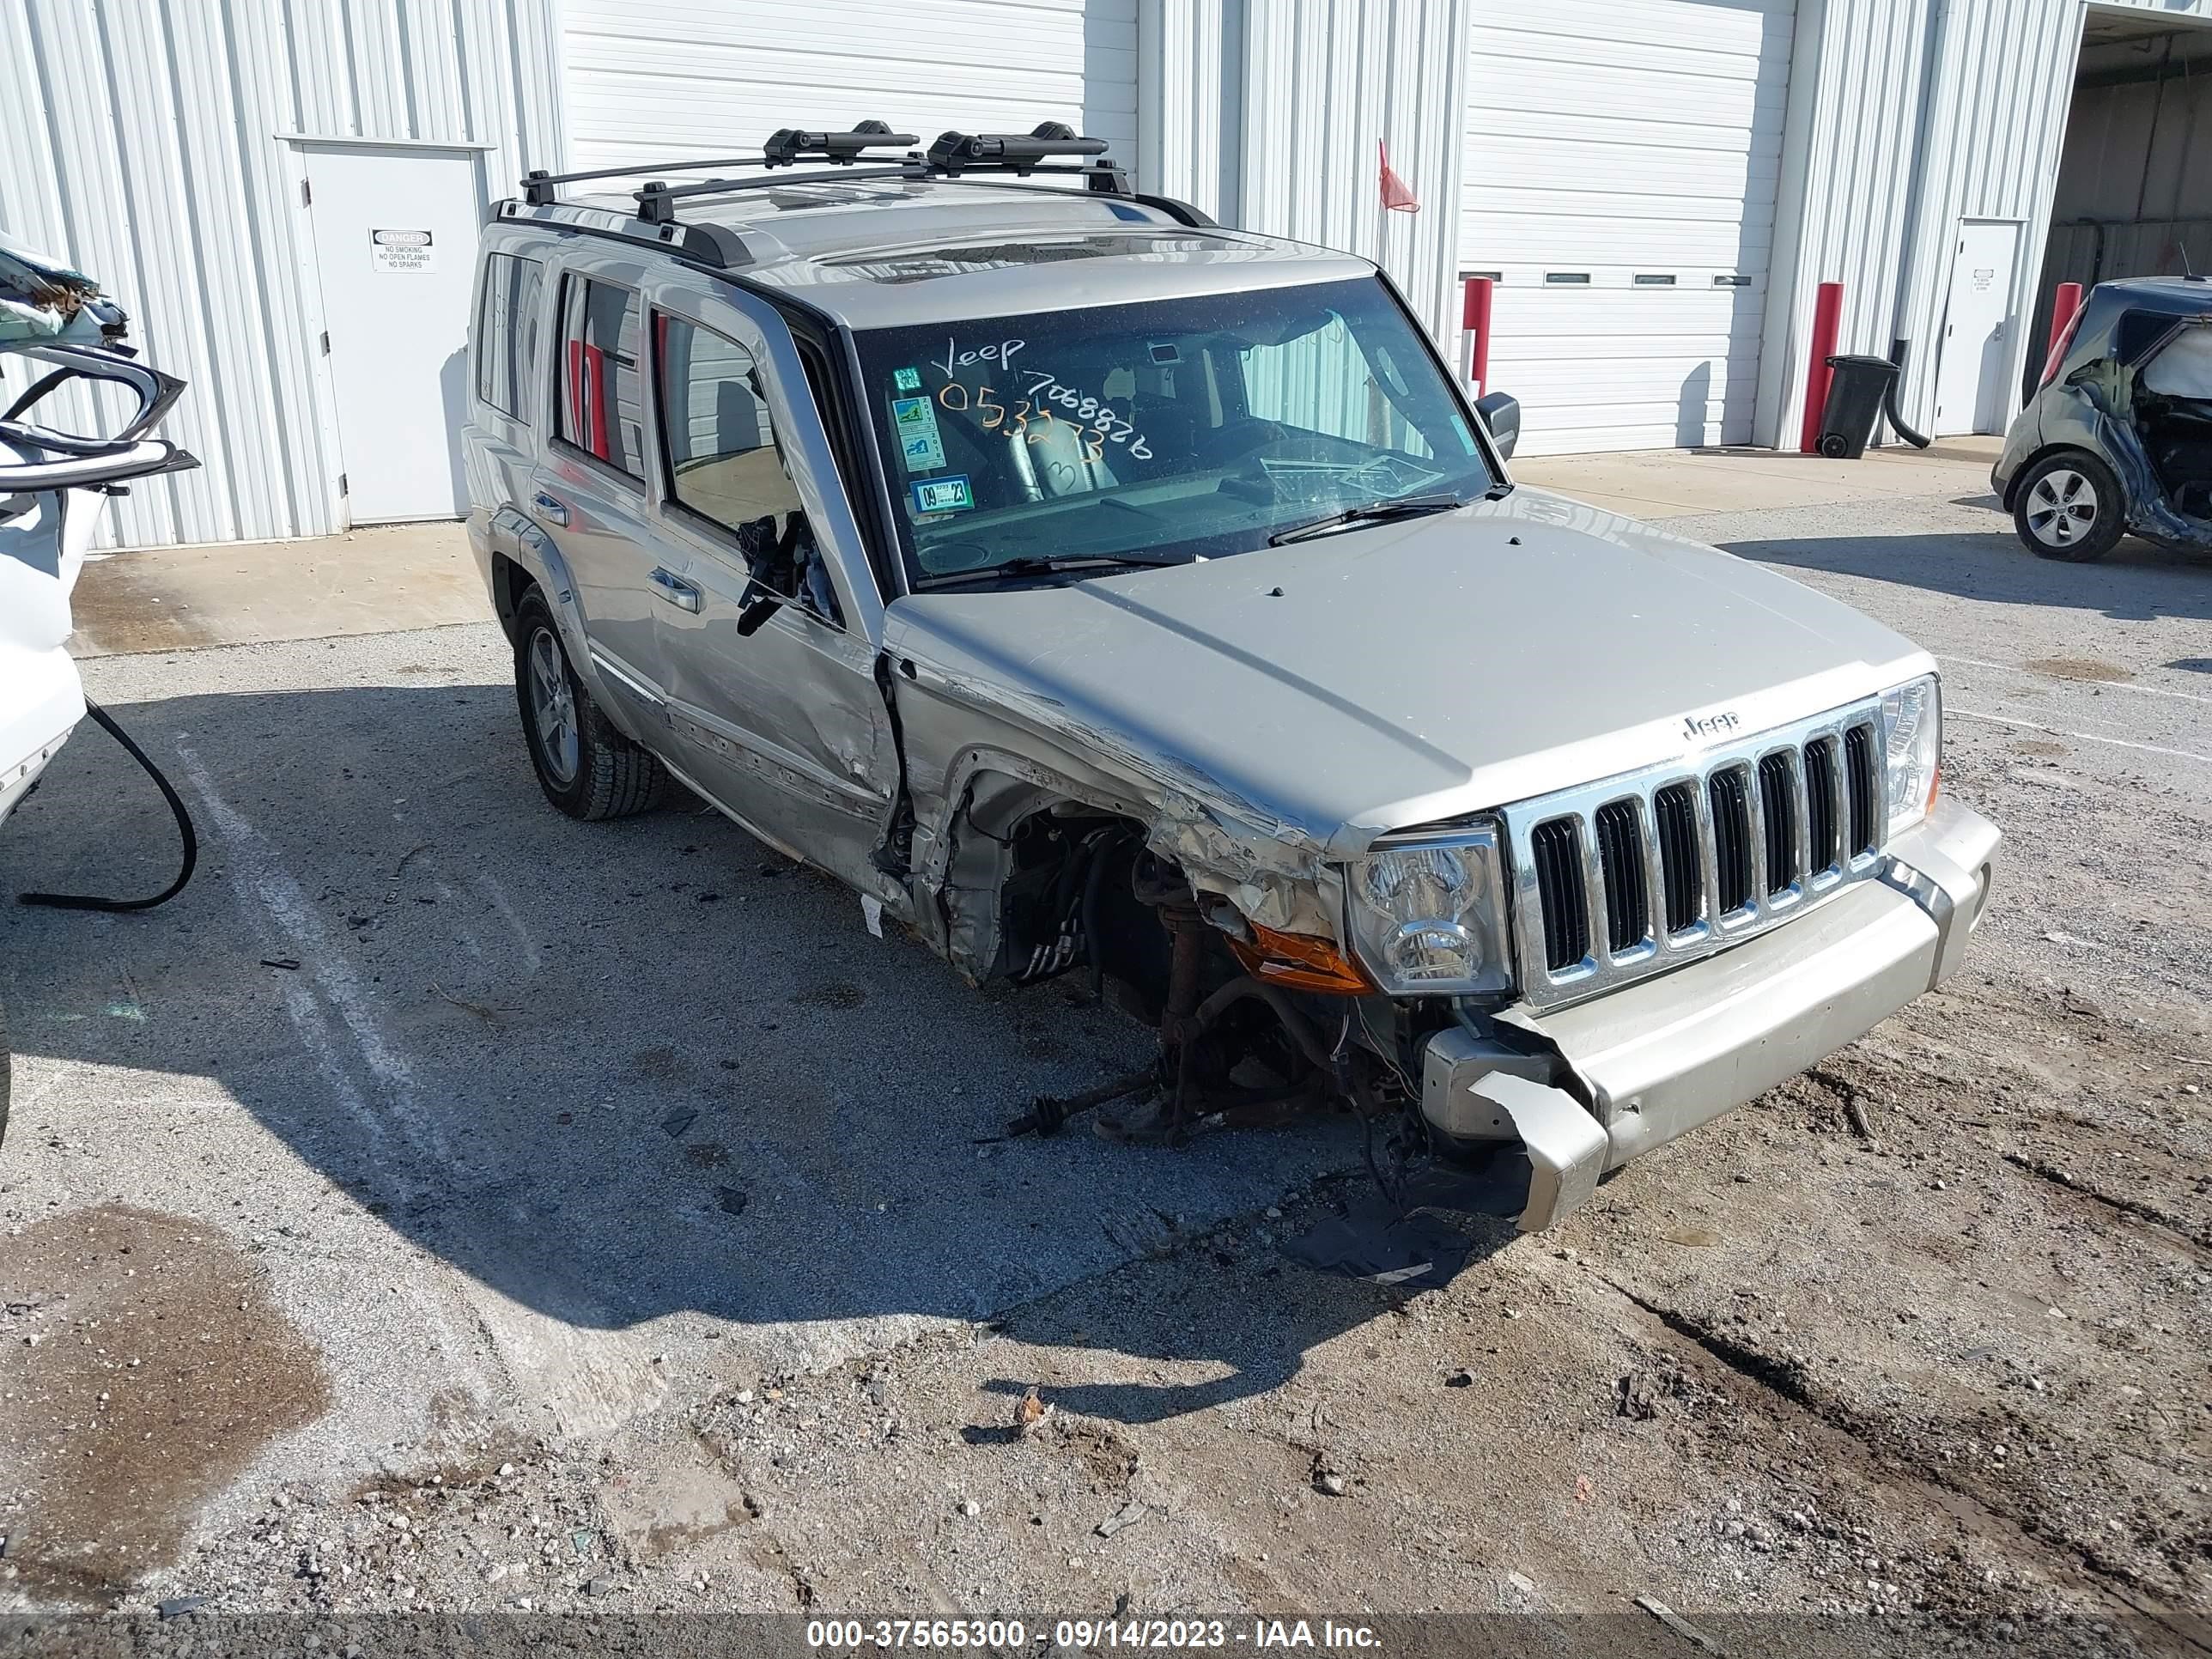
(1409, 507)
(1046, 564)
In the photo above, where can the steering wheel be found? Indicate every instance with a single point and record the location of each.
(1248, 436)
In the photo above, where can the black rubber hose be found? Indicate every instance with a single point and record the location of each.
(84, 902)
(1897, 350)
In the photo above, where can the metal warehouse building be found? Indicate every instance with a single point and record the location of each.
(285, 192)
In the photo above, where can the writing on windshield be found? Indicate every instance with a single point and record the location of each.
(1197, 427)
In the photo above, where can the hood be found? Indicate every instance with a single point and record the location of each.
(1395, 675)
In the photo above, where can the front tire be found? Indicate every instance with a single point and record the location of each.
(2069, 506)
(586, 766)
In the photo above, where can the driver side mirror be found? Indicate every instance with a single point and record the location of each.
(1501, 414)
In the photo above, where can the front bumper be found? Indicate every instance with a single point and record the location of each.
(1603, 1081)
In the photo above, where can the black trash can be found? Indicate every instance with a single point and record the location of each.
(1854, 399)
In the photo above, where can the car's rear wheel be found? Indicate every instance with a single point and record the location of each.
(2069, 506)
(586, 766)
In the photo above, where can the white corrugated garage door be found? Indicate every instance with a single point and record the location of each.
(1621, 162)
(668, 77)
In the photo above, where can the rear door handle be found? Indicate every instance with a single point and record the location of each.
(683, 595)
(548, 508)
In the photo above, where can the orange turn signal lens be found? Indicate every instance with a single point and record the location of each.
(1934, 785)
(1299, 962)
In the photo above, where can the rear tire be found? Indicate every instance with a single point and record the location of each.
(586, 766)
(2069, 506)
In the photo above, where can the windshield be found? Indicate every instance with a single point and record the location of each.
(1160, 432)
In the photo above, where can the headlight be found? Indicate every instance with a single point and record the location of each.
(1427, 916)
(1912, 734)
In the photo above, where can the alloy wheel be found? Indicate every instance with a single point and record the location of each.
(553, 707)
(2061, 507)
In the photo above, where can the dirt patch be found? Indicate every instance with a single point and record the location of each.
(2080, 668)
(147, 1368)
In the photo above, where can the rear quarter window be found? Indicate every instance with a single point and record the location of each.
(2137, 332)
(506, 332)
(600, 407)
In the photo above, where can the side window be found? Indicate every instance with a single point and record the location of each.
(724, 464)
(600, 409)
(2182, 368)
(506, 332)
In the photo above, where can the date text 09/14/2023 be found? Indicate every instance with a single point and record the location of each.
(1089, 1634)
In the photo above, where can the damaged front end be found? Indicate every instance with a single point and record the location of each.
(1511, 1003)
(1054, 848)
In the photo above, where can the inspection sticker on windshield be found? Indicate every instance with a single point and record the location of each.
(943, 495)
(921, 446)
(907, 379)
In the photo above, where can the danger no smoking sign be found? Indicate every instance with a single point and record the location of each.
(402, 251)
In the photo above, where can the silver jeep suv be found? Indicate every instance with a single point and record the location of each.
(1098, 590)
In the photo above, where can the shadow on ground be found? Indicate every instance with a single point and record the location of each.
(611, 1071)
(2136, 582)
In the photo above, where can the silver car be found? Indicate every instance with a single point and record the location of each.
(1097, 590)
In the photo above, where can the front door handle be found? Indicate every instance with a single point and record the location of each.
(683, 595)
(550, 510)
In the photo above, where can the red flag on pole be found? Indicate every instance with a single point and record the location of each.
(1396, 197)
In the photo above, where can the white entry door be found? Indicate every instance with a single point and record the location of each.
(395, 232)
(1970, 371)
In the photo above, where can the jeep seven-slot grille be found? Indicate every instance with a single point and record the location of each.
(1688, 862)
(1820, 801)
(1680, 866)
(1731, 838)
(1778, 804)
(1865, 781)
(1566, 908)
(1620, 860)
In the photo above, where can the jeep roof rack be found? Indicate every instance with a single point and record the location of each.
(785, 147)
(1052, 150)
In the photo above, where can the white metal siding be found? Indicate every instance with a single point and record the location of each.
(1976, 94)
(138, 143)
(2003, 75)
(1324, 80)
(1848, 176)
(1266, 113)
(1609, 140)
(653, 78)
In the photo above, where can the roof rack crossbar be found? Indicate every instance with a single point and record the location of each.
(786, 147)
(655, 203)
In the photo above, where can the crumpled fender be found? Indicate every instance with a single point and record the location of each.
(1025, 754)
(2149, 512)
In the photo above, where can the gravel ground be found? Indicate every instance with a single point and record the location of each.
(447, 1205)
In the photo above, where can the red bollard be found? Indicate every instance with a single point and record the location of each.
(1828, 318)
(2064, 302)
(1475, 318)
